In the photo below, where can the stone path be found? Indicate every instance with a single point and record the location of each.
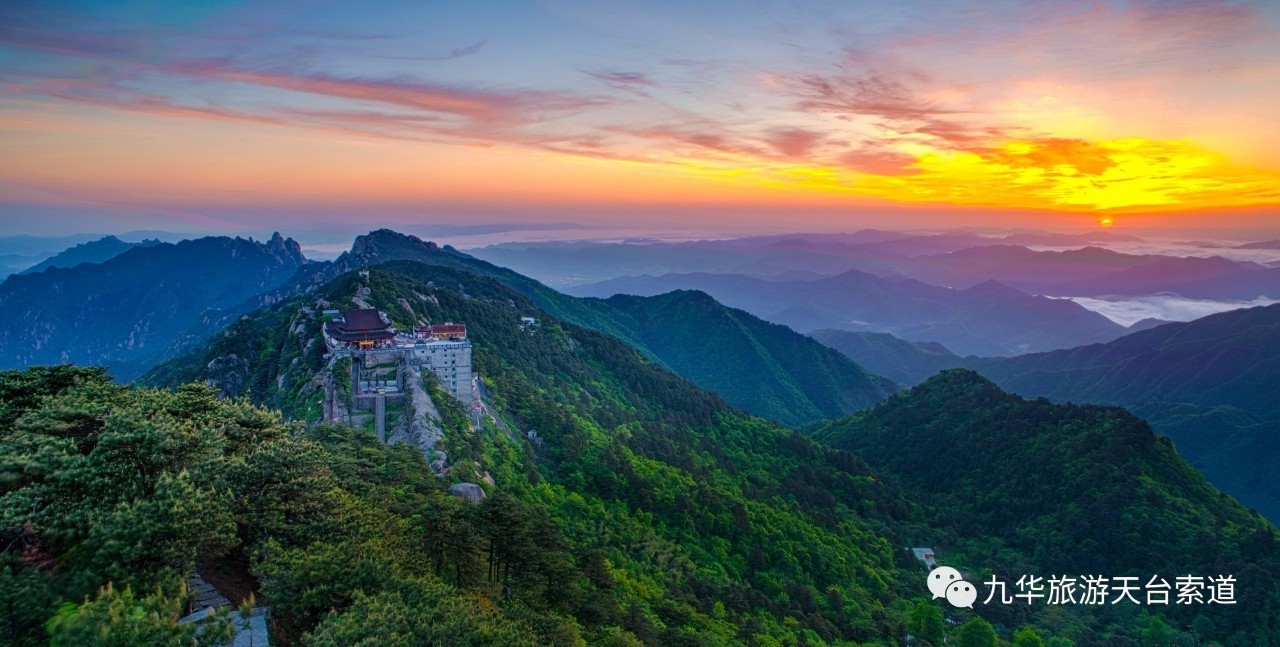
(249, 633)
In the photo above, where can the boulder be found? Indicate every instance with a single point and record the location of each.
(469, 492)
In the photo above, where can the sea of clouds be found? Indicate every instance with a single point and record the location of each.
(1169, 307)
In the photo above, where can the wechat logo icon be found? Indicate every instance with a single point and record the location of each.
(946, 582)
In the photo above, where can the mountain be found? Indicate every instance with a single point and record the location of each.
(149, 304)
(564, 265)
(669, 515)
(1242, 286)
(1021, 267)
(793, 379)
(1212, 385)
(1071, 485)
(1068, 240)
(17, 253)
(1231, 358)
(1164, 275)
(672, 518)
(46, 245)
(986, 319)
(132, 310)
(957, 259)
(905, 362)
(94, 251)
(1265, 244)
(1147, 324)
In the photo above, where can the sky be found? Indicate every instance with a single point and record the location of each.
(709, 116)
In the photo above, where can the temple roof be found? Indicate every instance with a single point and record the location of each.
(362, 319)
(360, 324)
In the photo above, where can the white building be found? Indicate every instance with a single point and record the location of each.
(925, 555)
(449, 360)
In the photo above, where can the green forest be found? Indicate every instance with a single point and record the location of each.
(650, 511)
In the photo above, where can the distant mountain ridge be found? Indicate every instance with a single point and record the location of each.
(906, 362)
(562, 265)
(139, 306)
(1230, 358)
(94, 251)
(1081, 264)
(987, 319)
(1265, 244)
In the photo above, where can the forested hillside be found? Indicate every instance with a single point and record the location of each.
(1209, 384)
(141, 306)
(764, 367)
(760, 515)
(793, 380)
(717, 527)
(1016, 486)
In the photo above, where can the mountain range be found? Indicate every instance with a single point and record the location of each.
(987, 319)
(94, 251)
(635, 462)
(794, 379)
(1080, 488)
(1085, 268)
(1212, 385)
(564, 265)
(625, 504)
(140, 306)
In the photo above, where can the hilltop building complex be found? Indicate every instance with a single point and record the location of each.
(366, 335)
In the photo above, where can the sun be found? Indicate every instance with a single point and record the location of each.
(1106, 221)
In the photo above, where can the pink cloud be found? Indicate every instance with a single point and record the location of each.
(794, 142)
(492, 107)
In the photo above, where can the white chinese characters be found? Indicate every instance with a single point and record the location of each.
(1097, 590)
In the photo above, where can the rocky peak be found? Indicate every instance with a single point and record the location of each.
(287, 250)
(383, 240)
(384, 245)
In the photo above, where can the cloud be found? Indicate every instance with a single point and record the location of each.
(877, 162)
(1044, 105)
(794, 142)
(496, 107)
(1072, 175)
(426, 108)
(892, 101)
(1127, 312)
(695, 139)
(453, 54)
(623, 79)
(104, 45)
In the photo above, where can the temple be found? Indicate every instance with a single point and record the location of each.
(450, 331)
(363, 329)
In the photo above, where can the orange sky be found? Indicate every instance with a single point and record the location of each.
(819, 119)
